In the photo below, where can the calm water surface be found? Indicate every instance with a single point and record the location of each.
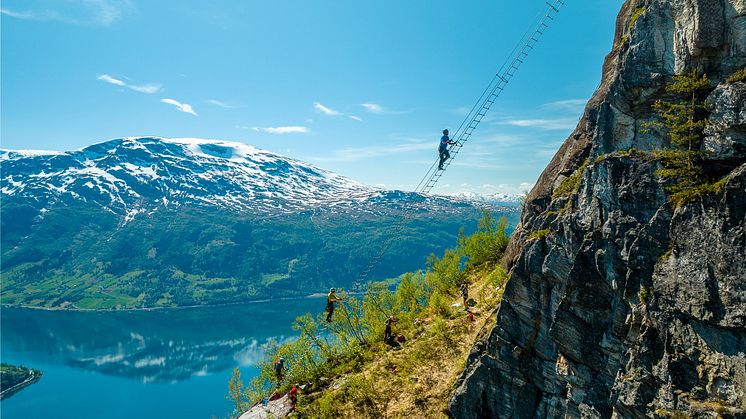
(140, 364)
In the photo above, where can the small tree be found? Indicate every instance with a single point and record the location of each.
(236, 391)
(681, 118)
(488, 243)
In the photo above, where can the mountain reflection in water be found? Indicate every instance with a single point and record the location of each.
(151, 346)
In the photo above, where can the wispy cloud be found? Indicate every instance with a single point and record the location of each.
(373, 108)
(569, 105)
(181, 107)
(546, 124)
(149, 88)
(378, 109)
(221, 104)
(332, 112)
(326, 110)
(107, 78)
(283, 130)
(361, 153)
(77, 12)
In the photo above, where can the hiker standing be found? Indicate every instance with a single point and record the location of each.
(465, 293)
(279, 370)
(443, 148)
(387, 334)
(330, 300)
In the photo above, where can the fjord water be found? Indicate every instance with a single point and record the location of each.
(144, 364)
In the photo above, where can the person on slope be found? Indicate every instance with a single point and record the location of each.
(279, 370)
(465, 294)
(445, 141)
(331, 298)
(388, 336)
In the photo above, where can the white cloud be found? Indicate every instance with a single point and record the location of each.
(332, 112)
(378, 109)
(221, 104)
(547, 124)
(149, 88)
(146, 88)
(361, 153)
(571, 105)
(181, 107)
(325, 110)
(107, 78)
(77, 12)
(373, 108)
(283, 130)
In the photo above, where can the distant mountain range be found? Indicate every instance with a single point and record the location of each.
(143, 221)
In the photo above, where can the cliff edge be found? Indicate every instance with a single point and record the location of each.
(620, 303)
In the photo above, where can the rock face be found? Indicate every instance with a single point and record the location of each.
(621, 304)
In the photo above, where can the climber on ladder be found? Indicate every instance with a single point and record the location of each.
(331, 298)
(445, 141)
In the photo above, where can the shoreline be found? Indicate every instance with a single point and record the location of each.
(20, 386)
(122, 310)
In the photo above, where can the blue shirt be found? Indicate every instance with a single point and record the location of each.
(444, 140)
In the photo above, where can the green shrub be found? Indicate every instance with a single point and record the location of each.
(633, 19)
(443, 334)
(361, 392)
(325, 407)
(631, 23)
(444, 274)
(692, 192)
(439, 304)
(498, 277)
(538, 234)
(739, 75)
(411, 294)
(644, 295)
(569, 186)
(487, 244)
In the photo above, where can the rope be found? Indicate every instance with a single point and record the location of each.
(488, 97)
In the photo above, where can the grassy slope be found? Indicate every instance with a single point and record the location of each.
(416, 380)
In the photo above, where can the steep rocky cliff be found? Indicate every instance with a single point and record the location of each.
(621, 304)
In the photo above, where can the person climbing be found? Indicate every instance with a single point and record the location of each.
(388, 336)
(465, 294)
(330, 300)
(445, 141)
(279, 370)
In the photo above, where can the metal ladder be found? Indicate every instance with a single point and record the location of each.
(474, 118)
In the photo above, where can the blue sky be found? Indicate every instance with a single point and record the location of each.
(359, 88)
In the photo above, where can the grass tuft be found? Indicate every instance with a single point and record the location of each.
(570, 186)
(738, 75)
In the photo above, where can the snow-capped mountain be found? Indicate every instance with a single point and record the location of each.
(137, 174)
(129, 173)
(498, 198)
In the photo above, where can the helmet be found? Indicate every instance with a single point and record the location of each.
(333, 290)
(445, 131)
(282, 359)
